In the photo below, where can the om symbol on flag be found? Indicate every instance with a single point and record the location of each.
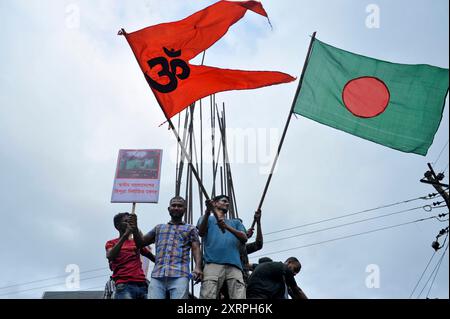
(169, 71)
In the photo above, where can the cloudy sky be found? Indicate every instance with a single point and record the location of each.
(72, 95)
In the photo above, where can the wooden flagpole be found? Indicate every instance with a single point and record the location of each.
(213, 129)
(286, 126)
(193, 170)
(173, 129)
(181, 163)
(178, 152)
(229, 190)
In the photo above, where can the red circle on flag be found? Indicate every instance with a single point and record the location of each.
(366, 96)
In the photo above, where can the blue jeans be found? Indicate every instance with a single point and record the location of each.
(178, 288)
(131, 291)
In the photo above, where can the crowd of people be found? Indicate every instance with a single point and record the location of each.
(222, 268)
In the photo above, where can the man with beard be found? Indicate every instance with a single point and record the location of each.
(173, 241)
(222, 239)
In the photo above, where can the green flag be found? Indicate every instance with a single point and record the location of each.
(396, 105)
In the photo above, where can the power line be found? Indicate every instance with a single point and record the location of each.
(51, 278)
(423, 273)
(346, 224)
(357, 213)
(445, 170)
(309, 224)
(437, 266)
(437, 271)
(348, 236)
(47, 286)
(439, 156)
(98, 287)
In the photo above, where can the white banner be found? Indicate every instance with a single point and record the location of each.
(137, 177)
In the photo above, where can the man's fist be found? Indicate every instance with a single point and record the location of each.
(221, 223)
(132, 221)
(197, 275)
(257, 216)
(209, 205)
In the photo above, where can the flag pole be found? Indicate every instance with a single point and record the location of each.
(172, 128)
(193, 170)
(188, 157)
(286, 126)
(213, 143)
(181, 166)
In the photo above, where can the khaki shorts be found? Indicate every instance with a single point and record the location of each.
(214, 275)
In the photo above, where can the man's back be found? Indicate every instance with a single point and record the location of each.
(267, 281)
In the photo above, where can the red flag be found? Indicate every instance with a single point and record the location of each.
(163, 52)
(254, 5)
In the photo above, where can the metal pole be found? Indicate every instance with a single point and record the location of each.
(287, 125)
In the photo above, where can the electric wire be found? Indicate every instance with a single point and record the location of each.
(51, 278)
(48, 286)
(437, 271)
(345, 237)
(439, 156)
(346, 224)
(421, 276)
(357, 213)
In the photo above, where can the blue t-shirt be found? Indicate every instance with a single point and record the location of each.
(222, 248)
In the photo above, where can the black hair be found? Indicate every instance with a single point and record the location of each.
(118, 219)
(219, 197)
(294, 260)
(264, 260)
(178, 198)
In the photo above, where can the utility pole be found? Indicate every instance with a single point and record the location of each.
(435, 181)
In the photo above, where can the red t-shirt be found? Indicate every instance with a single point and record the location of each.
(127, 266)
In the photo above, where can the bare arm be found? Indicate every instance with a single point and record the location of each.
(242, 236)
(143, 240)
(293, 289)
(112, 253)
(296, 293)
(147, 253)
(139, 239)
(259, 235)
(239, 234)
(197, 253)
(203, 228)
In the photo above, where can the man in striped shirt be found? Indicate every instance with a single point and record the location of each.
(173, 242)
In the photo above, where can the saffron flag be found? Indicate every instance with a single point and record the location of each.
(163, 52)
(396, 105)
(254, 5)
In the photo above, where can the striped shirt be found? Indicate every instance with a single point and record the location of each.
(173, 243)
(110, 288)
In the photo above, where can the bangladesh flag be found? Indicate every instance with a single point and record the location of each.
(396, 105)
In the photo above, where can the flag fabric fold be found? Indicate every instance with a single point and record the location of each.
(163, 52)
(396, 105)
(254, 5)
